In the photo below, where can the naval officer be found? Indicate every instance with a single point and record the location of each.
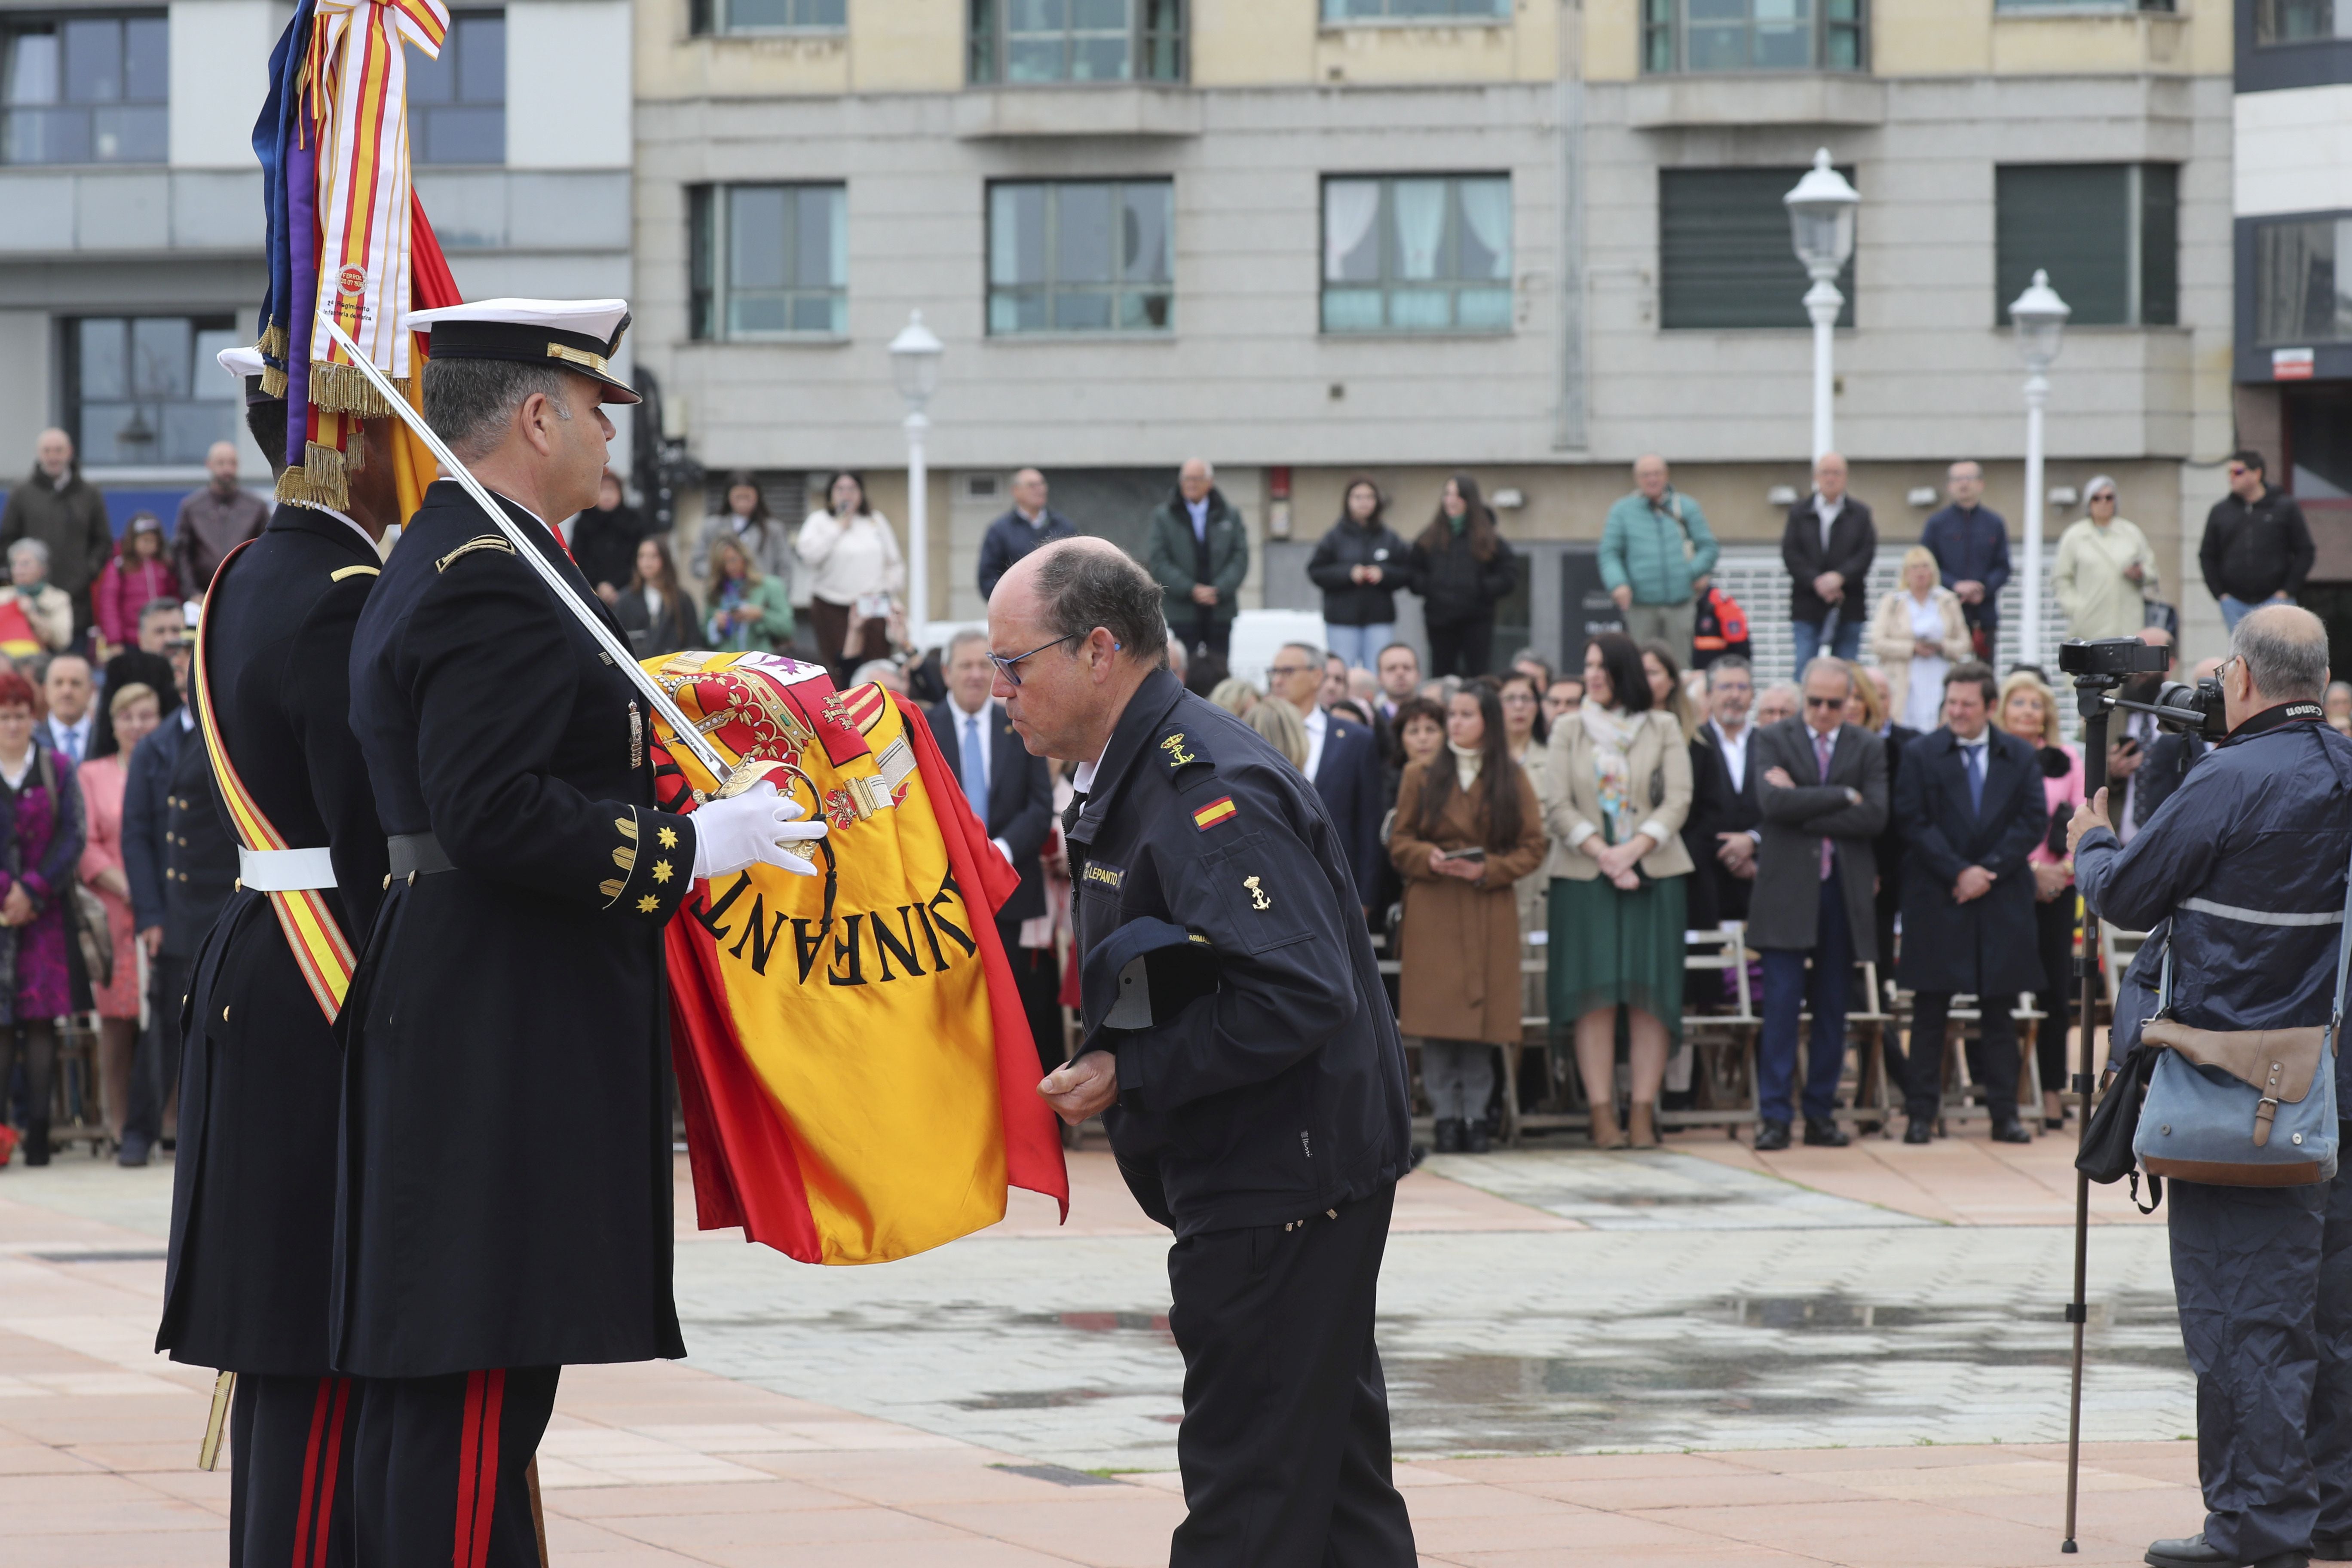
(1264, 1121)
(505, 1198)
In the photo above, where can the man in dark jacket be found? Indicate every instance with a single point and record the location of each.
(605, 540)
(1723, 800)
(1343, 763)
(1970, 803)
(1970, 544)
(1199, 552)
(65, 512)
(2257, 548)
(1827, 547)
(1263, 1118)
(1011, 793)
(1027, 525)
(2247, 863)
(212, 521)
(1361, 563)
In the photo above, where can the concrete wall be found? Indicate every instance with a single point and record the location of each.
(2294, 149)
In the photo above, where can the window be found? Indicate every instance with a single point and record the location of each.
(1418, 254)
(768, 260)
(457, 104)
(2106, 233)
(769, 15)
(1081, 257)
(74, 90)
(1725, 258)
(2302, 21)
(2300, 296)
(2082, 7)
(1412, 10)
(144, 390)
(1023, 41)
(1751, 35)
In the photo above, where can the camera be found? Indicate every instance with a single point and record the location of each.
(2205, 699)
(2112, 656)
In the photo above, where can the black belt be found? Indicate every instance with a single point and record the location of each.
(417, 854)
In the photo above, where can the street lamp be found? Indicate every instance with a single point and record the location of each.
(2040, 317)
(1821, 223)
(915, 366)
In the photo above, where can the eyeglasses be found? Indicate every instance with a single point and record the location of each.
(1290, 669)
(2239, 470)
(2226, 663)
(2102, 495)
(1004, 666)
(1827, 701)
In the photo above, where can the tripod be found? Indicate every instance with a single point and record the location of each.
(2093, 702)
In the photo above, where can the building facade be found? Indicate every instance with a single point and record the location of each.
(132, 235)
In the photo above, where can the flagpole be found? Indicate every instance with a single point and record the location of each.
(664, 706)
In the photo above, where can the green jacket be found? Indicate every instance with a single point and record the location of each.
(1644, 546)
(770, 627)
(1169, 555)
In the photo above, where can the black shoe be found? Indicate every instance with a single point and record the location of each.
(134, 1151)
(1922, 1129)
(36, 1143)
(1449, 1135)
(2332, 1548)
(2011, 1131)
(1821, 1134)
(1415, 1155)
(2192, 1551)
(1771, 1136)
(1474, 1140)
(2054, 1124)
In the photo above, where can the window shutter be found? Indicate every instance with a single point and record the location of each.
(1724, 253)
(701, 17)
(2068, 219)
(2159, 245)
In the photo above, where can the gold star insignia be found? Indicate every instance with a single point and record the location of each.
(669, 837)
(661, 870)
(648, 904)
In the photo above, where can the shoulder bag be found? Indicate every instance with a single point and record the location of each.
(2243, 1107)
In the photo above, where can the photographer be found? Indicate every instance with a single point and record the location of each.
(2247, 859)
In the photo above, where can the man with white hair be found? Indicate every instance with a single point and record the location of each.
(1199, 552)
(65, 512)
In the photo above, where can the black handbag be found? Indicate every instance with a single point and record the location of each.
(2107, 1154)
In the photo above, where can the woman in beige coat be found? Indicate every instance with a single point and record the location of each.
(1459, 989)
(1617, 787)
(1918, 634)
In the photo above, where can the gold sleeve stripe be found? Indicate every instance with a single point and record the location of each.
(611, 888)
(625, 858)
(628, 826)
(342, 572)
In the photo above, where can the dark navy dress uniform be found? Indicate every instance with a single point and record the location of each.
(506, 1184)
(1265, 1124)
(253, 1196)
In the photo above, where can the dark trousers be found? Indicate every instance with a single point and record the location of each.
(1203, 632)
(832, 623)
(1992, 1056)
(2264, 1280)
(2061, 993)
(1788, 986)
(1040, 985)
(1465, 648)
(1284, 1444)
(155, 1062)
(441, 1460)
(290, 1484)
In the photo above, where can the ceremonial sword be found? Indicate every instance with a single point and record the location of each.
(732, 779)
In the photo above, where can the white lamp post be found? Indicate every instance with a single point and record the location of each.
(2040, 317)
(1821, 223)
(915, 366)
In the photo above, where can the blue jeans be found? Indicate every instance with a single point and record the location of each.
(2234, 609)
(1360, 645)
(1787, 986)
(1845, 638)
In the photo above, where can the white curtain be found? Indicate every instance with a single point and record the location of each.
(1486, 208)
(1349, 208)
(1421, 225)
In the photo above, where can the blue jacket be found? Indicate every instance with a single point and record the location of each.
(1972, 546)
(1011, 537)
(2246, 861)
(147, 781)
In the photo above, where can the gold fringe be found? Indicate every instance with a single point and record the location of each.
(273, 341)
(342, 389)
(273, 379)
(318, 481)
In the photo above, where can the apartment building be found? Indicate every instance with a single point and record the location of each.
(130, 217)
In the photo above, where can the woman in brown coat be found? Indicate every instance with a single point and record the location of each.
(1460, 988)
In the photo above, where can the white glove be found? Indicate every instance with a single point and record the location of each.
(753, 827)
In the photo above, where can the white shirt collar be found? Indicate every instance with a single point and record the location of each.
(80, 729)
(347, 522)
(1317, 721)
(1972, 745)
(187, 717)
(1082, 777)
(964, 713)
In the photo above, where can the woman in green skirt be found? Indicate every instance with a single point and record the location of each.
(1617, 784)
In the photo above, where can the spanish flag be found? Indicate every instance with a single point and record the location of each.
(856, 1073)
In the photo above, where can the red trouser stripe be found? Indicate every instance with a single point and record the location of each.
(319, 1408)
(327, 1481)
(478, 1468)
(485, 1493)
(470, 1432)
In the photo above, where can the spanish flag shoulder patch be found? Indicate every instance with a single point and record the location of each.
(1221, 809)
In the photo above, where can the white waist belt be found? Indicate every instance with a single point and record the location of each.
(284, 870)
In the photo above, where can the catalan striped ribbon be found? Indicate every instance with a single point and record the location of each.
(320, 950)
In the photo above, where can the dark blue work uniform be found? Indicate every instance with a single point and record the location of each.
(505, 1198)
(1265, 1124)
(2247, 859)
(253, 1190)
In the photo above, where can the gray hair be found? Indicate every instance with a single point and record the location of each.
(31, 547)
(1729, 664)
(469, 403)
(1083, 585)
(2096, 483)
(2286, 650)
(969, 634)
(1836, 667)
(1314, 655)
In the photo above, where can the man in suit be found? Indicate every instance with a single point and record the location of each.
(71, 727)
(1343, 763)
(1822, 799)
(1889, 848)
(1011, 793)
(1827, 547)
(1723, 800)
(1971, 807)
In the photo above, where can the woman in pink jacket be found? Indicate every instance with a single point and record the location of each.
(136, 576)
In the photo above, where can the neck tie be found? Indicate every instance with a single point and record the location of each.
(70, 742)
(1976, 777)
(1822, 751)
(975, 769)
